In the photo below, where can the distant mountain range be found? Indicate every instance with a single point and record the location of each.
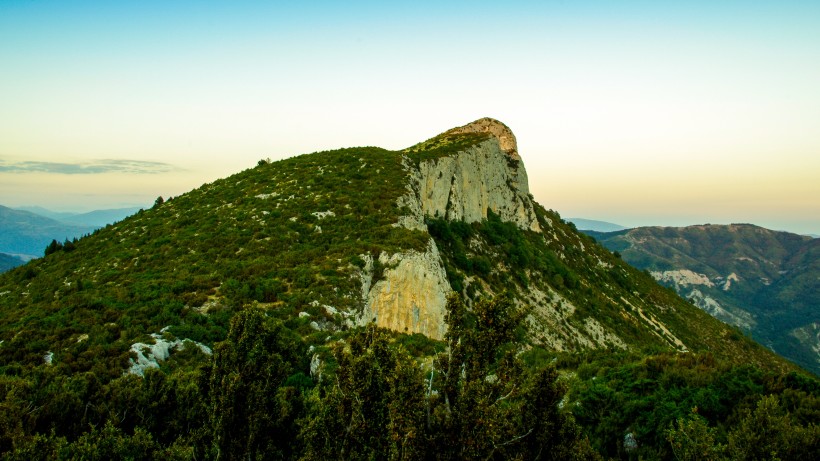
(766, 282)
(593, 225)
(24, 234)
(8, 261)
(98, 218)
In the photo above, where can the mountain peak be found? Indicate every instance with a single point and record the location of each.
(505, 136)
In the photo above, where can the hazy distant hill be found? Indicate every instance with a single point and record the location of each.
(23, 232)
(96, 218)
(591, 224)
(767, 282)
(8, 261)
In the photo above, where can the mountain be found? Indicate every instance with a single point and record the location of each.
(100, 218)
(598, 226)
(9, 261)
(55, 215)
(96, 218)
(26, 233)
(359, 302)
(376, 236)
(764, 281)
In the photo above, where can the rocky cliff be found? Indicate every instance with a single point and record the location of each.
(462, 186)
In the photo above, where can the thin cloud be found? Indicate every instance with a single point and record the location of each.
(91, 167)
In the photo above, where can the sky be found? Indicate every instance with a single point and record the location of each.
(633, 112)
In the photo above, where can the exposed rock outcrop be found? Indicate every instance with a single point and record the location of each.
(490, 175)
(500, 131)
(463, 186)
(411, 294)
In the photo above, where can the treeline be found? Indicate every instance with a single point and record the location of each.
(369, 399)
(691, 406)
(266, 394)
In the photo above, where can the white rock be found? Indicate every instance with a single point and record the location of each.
(323, 214)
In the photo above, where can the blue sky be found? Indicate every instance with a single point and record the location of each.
(634, 112)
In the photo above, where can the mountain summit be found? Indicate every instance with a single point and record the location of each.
(239, 320)
(484, 177)
(337, 239)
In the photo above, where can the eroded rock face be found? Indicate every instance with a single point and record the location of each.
(500, 131)
(464, 186)
(411, 295)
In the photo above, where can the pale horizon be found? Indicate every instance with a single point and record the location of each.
(641, 113)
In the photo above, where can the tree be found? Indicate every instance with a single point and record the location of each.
(252, 413)
(373, 407)
(53, 247)
(489, 405)
(692, 439)
(768, 433)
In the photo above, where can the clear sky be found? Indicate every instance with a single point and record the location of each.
(635, 112)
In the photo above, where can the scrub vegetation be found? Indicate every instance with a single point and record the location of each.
(259, 276)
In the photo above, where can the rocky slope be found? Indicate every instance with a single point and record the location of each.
(765, 282)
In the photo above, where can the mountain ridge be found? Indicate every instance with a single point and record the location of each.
(456, 195)
(26, 233)
(260, 314)
(761, 280)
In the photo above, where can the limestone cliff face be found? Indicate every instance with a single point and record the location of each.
(500, 131)
(462, 186)
(466, 185)
(411, 295)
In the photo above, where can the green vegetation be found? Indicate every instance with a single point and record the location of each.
(475, 397)
(254, 400)
(285, 234)
(692, 406)
(773, 293)
(266, 269)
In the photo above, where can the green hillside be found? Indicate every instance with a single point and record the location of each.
(230, 322)
(763, 281)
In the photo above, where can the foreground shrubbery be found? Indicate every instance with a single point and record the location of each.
(373, 401)
(473, 399)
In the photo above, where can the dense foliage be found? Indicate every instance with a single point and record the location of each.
(254, 400)
(660, 407)
(284, 234)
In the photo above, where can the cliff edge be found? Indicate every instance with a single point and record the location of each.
(460, 185)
